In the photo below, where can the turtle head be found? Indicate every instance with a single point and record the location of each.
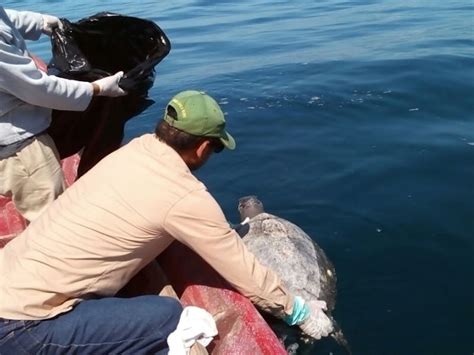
(249, 206)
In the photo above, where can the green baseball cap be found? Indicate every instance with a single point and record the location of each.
(200, 115)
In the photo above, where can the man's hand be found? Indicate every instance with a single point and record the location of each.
(108, 86)
(317, 324)
(50, 23)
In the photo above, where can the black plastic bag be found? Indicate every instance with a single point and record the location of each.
(93, 48)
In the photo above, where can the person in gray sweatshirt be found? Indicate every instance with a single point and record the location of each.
(30, 169)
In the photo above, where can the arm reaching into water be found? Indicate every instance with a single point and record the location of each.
(198, 222)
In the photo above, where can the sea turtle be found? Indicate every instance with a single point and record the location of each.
(285, 248)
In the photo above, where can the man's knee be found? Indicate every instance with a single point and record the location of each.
(172, 311)
(157, 312)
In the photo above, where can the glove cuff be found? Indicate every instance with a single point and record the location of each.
(48, 25)
(300, 312)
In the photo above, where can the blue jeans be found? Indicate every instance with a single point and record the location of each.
(138, 325)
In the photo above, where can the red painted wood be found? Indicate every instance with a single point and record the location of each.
(11, 222)
(70, 166)
(242, 330)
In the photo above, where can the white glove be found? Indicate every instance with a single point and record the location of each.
(108, 86)
(195, 324)
(50, 23)
(317, 325)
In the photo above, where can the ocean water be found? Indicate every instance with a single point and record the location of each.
(354, 120)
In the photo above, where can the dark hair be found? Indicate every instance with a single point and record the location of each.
(180, 140)
(175, 138)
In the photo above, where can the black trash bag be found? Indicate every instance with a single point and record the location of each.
(93, 48)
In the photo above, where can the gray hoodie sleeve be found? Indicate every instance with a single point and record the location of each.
(29, 24)
(22, 79)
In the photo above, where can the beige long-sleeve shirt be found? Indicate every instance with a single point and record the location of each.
(113, 221)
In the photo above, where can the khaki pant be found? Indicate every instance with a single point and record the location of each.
(32, 176)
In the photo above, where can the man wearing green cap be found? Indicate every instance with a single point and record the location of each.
(194, 126)
(60, 276)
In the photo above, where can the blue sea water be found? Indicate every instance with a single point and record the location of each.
(354, 120)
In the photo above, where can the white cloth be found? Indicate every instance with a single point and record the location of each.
(195, 324)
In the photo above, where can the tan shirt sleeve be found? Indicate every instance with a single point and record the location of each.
(198, 222)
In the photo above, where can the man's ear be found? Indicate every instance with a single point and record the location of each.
(203, 147)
